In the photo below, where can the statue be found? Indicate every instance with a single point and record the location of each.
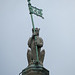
(31, 53)
(35, 55)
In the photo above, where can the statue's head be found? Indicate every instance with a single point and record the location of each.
(36, 31)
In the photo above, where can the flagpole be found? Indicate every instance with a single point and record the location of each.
(29, 4)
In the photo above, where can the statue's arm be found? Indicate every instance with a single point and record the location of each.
(40, 42)
(29, 42)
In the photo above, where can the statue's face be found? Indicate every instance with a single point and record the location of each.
(36, 31)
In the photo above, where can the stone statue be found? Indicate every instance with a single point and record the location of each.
(31, 53)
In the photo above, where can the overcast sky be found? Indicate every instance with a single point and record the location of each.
(57, 31)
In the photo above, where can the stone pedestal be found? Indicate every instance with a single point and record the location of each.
(35, 70)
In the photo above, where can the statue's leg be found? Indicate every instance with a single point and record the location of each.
(41, 57)
(29, 56)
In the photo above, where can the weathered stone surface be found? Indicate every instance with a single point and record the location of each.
(35, 48)
(35, 70)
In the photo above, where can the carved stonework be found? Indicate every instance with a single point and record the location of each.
(31, 53)
(35, 70)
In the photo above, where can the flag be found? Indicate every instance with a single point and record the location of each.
(36, 11)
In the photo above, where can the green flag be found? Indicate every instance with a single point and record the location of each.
(36, 11)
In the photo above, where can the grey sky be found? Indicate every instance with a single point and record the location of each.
(57, 31)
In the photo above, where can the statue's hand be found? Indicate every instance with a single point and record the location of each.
(33, 35)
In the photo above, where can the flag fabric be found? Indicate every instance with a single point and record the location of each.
(36, 11)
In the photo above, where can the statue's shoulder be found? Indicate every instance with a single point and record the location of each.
(30, 38)
(40, 38)
(29, 42)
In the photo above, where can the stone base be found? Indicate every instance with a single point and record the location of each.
(35, 70)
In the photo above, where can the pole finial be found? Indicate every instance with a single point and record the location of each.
(28, 0)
